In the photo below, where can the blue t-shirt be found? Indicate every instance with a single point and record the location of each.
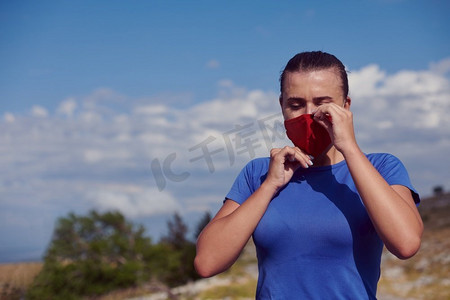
(316, 240)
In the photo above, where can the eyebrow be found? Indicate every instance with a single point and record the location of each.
(295, 99)
(320, 99)
(315, 99)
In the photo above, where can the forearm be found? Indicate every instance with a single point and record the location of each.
(221, 242)
(396, 221)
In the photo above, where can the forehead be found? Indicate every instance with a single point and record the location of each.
(323, 79)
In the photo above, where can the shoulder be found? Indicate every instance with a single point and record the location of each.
(387, 164)
(254, 171)
(248, 180)
(390, 167)
(382, 159)
(258, 165)
(377, 156)
(393, 171)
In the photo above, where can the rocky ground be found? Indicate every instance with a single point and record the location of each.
(427, 274)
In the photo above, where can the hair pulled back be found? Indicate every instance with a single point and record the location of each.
(313, 61)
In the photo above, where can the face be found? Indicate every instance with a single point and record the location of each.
(305, 91)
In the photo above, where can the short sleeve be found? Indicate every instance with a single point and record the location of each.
(248, 180)
(395, 173)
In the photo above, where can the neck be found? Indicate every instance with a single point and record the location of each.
(328, 157)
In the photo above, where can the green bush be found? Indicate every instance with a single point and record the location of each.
(92, 255)
(180, 255)
(95, 254)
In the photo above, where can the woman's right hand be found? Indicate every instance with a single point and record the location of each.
(283, 163)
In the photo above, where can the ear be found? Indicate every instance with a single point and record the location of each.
(280, 99)
(347, 103)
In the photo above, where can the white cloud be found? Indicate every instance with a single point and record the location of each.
(67, 107)
(93, 155)
(151, 109)
(410, 83)
(9, 117)
(39, 112)
(135, 201)
(102, 100)
(147, 159)
(104, 94)
(91, 117)
(408, 100)
(364, 82)
(234, 105)
(442, 67)
(97, 155)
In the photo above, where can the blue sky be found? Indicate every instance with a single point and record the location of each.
(52, 49)
(106, 104)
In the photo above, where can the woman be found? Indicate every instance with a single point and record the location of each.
(321, 210)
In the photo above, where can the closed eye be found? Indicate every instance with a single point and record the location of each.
(296, 103)
(323, 100)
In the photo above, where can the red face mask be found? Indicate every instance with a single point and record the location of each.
(307, 134)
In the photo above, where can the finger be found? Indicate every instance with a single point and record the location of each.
(274, 151)
(288, 157)
(328, 114)
(288, 153)
(328, 109)
(292, 155)
(281, 155)
(304, 159)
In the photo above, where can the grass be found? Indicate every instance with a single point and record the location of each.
(16, 278)
(234, 291)
(243, 279)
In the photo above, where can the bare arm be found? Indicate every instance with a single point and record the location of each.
(221, 242)
(391, 208)
(223, 239)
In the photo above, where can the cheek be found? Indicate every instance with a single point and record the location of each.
(283, 110)
(289, 114)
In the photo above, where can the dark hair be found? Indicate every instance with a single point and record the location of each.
(315, 60)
